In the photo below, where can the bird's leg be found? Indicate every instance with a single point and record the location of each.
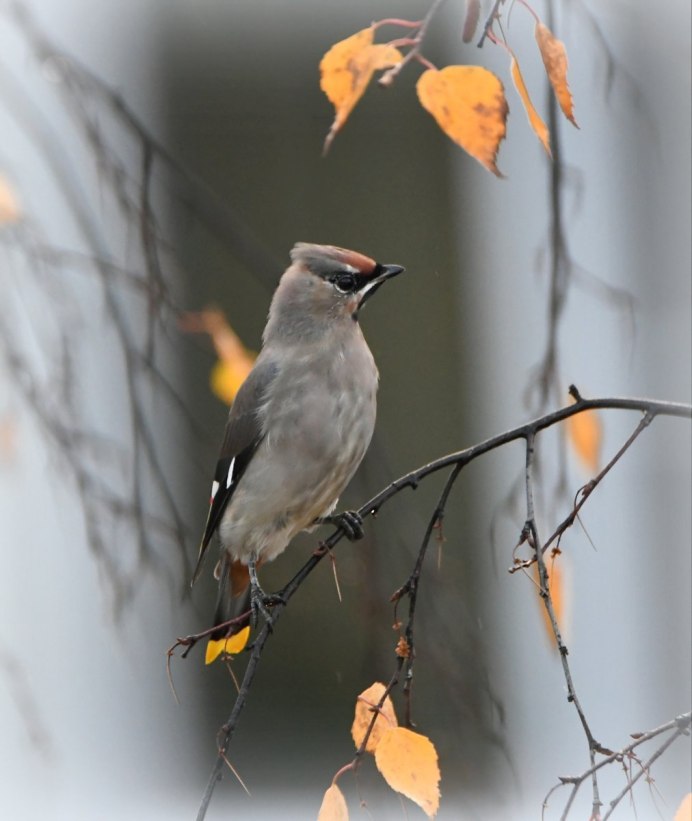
(259, 599)
(257, 596)
(349, 521)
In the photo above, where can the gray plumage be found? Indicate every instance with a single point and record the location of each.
(302, 421)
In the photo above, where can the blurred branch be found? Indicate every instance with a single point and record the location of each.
(405, 649)
(492, 16)
(20, 690)
(130, 483)
(563, 269)
(83, 89)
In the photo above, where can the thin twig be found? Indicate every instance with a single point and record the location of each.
(411, 586)
(584, 494)
(531, 532)
(645, 768)
(682, 726)
(492, 16)
(463, 457)
(414, 53)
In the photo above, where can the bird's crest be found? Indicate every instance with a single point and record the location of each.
(322, 259)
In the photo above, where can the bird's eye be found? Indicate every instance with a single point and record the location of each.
(345, 283)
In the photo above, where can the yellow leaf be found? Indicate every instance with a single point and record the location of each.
(364, 713)
(684, 812)
(539, 127)
(9, 205)
(347, 68)
(469, 105)
(554, 57)
(408, 763)
(585, 433)
(333, 806)
(235, 361)
(229, 646)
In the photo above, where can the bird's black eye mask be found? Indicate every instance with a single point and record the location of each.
(348, 282)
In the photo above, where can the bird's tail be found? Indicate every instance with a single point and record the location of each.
(233, 600)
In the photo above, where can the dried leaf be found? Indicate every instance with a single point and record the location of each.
(554, 57)
(408, 763)
(347, 68)
(235, 361)
(469, 105)
(363, 716)
(585, 433)
(684, 811)
(230, 646)
(473, 10)
(403, 648)
(537, 124)
(9, 204)
(333, 806)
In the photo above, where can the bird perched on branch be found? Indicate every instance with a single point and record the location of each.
(298, 428)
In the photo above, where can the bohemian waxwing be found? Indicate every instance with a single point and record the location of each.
(299, 426)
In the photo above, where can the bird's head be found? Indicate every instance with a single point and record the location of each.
(324, 285)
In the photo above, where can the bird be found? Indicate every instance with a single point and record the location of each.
(297, 430)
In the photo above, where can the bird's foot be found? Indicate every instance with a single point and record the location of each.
(349, 521)
(260, 602)
(259, 608)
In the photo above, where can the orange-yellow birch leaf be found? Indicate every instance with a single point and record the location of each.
(363, 716)
(408, 763)
(230, 646)
(554, 57)
(535, 121)
(347, 68)
(684, 811)
(558, 591)
(585, 433)
(235, 360)
(469, 105)
(333, 806)
(9, 204)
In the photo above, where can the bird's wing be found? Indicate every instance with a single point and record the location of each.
(241, 439)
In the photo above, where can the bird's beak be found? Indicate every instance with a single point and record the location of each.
(382, 274)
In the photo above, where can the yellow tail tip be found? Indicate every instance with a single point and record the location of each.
(229, 646)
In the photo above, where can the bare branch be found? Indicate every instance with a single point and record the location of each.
(584, 494)
(681, 726)
(458, 460)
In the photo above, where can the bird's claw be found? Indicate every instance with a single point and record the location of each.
(260, 602)
(350, 522)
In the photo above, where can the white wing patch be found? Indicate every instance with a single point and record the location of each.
(214, 489)
(229, 478)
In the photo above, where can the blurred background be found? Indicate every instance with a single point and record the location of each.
(109, 428)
